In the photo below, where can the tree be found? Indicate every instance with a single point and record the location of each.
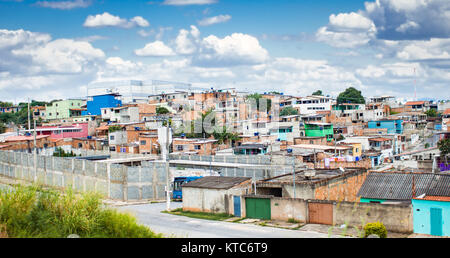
(351, 95)
(444, 147)
(114, 128)
(162, 111)
(209, 117)
(431, 112)
(318, 93)
(2, 128)
(288, 111)
(6, 104)
(225, 136)
(258, 98)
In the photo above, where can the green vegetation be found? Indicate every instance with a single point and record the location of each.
(288, 111)
(114, 128)
(431, 113)
(34, 212)
(20, 117)
(2, 128)
(257, 97)
(59, 152)
(200, 215)
(6, 104)
(225, 136)
(162, 111)
(317, 93)
(207, 118)
(444, 148)
(376, 228)
(351, 95)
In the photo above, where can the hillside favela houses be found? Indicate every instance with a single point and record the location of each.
(311, 159)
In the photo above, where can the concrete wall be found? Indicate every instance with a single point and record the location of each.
(113, 181)
(212, 200)
(395, 217)
(288, 208)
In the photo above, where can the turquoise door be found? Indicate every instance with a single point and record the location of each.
(436, 221)
(237, 206)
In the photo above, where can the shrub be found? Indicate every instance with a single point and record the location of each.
(376, 228)
(36, 212)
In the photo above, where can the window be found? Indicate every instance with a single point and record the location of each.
(113, 148)
(180, 147)
(111, 137)
(378, 124)
(80, 145)
(198, 147)
(143, 142)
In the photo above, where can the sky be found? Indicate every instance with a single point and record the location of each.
(53, 49)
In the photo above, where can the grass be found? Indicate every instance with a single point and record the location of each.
(34, 212)
(200, 215)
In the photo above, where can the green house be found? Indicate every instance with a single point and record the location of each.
(65, 109)
(319, 130)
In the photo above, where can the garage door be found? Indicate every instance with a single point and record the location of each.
(257, 208)
(320, 213)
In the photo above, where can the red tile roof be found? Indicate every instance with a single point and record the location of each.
(435, 198)
(410, 103)
(447, 111)
(380, 139)
(24, 138)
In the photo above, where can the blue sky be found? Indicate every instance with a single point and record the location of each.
(294, 46)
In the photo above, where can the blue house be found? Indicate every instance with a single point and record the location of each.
(393, 126)
(431, 211)
(96, 103)
(281, 132)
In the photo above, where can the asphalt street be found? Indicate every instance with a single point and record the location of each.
(184, 227)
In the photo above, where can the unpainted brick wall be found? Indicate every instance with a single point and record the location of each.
(342, 190)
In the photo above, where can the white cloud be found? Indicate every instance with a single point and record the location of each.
(189, 2)
(236, 49)
(214, 20)
(35, 62)
(157, 48)
(65, 5)
(139, 21)
(108, 20)
(62, 56)
(17, 38)
(347, 30)
(407, 26)
(410, 19)
(425, 50)
(350, 22)
(186, 41)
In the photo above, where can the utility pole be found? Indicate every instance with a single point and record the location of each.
(35, 153)
(293, 172)
(166, 156)
(29, 122)
(315, 159)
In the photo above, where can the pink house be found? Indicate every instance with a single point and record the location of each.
(75, 130)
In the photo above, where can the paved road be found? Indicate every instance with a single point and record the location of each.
(184, 227)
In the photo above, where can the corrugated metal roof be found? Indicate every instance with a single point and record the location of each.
(216, 182)
(394, 186)
(439, 186)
